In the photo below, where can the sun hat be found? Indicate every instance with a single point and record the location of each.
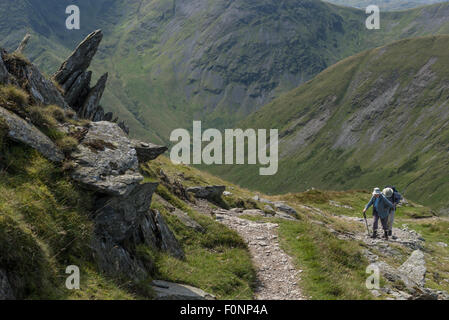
(376, 191)
(387, 192)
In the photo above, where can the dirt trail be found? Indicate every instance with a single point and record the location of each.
(277, 277)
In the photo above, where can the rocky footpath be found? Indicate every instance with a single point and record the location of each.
(105, 161)
(277, 277)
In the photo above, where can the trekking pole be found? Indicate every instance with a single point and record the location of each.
(366, 222)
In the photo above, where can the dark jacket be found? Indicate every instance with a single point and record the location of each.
(382, 206)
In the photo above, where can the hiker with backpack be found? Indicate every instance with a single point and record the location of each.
(392, 194)
(381, 210)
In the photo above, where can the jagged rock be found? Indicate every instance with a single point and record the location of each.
(208, 192)
(41, 90)
(174, 291)
(79, 88)
(90, 106)
(168, 240)
(415, 267)
(81, 58)
(24, 132)
(280, 206)
(6, 292)
(147, 151)
(23, 44)
(106, 161)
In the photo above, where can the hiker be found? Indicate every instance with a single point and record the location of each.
(381, 210)
(392, 194)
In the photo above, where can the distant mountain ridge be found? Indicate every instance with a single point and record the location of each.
(379, 117)
(170, 62)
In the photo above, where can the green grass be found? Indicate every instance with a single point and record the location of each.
(333, 268)
(402, 143)
(217, 260)
(44, 227)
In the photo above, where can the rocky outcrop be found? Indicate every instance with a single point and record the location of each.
(90, 106)
(106, 161)
(124, 222)
(24, 132)
(28, 77)
(174, 291)
(74, 80)
(81, 58)
(147, 151)
(207, 192)
(78, 89)
(6, 292)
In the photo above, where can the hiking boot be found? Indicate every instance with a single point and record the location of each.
(386, 235)
(374, 236)
(394, 237)
(390, 233)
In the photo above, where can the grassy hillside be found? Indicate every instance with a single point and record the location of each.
(173, 61)
(46, 224)
(377, 118)
(314, 240)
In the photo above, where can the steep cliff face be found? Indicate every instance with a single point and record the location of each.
(376, 118)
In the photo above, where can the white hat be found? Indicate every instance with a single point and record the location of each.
(387, 192)
(376, 191)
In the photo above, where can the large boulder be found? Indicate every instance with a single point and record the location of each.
(6, 292)
(106, 161)
(207, 192)
(24, 132)
(81, 58)
(147, 151)
(174, 291)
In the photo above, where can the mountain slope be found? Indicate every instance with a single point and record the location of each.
(174, 61)
(380, 117)
(389, 5)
